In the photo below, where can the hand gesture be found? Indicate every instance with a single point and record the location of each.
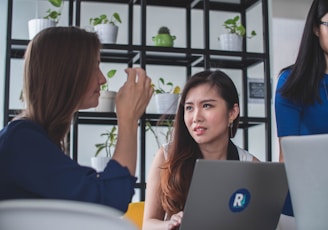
(134, 96)
(175, 221)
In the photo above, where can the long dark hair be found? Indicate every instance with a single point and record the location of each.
(183, 152)
(303, 83)
(58, 68)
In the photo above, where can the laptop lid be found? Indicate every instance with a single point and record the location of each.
(306, 159)
(235, 195)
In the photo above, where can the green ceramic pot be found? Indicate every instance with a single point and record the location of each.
(164, 40)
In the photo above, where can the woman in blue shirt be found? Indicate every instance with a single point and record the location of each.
(301, 101)
(61, 76)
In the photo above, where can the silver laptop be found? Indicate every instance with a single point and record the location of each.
(306, 159)
(235, 195)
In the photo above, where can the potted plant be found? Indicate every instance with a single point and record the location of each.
(164, 38)
(107, 29)
(107, 97)
(100, 162)
(168, 124)
(236, 31)
(166, 97)
(49, 20)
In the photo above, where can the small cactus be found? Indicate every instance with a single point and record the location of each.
(163, 30)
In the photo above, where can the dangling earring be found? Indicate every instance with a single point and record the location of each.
(231, 126)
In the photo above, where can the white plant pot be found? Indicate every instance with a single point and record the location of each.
(166, 103)
(107, 33)
(106, 101)
(99, 163)
(231, 42)
(38, 24)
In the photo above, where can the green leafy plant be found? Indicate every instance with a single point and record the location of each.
(102, 19)
(234, 26)
(111, 138)
(165, 87)
(110, 74)
(55, 14)
(164, 30)
(168, 123)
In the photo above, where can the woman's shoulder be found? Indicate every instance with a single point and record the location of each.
(15, 127)
(282, 78)
(165, 150)
(283, 75)
(23, 124)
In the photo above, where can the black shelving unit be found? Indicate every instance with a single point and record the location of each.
(187, 57)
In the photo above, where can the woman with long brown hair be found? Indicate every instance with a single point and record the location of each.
(62, 76)
(207, 117)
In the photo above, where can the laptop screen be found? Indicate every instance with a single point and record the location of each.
(235, 195)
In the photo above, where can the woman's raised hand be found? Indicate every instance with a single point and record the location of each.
(133, 97)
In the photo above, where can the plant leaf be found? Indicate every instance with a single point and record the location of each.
(104, 87)
(117, 17)
(241, 30)
(103, 17)
(56, 3)
(111, 73)
(230, 22)
(235, 19)
(161, 87)
(161, 80)
(101, 147)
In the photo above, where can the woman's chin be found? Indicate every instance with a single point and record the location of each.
(89, 106)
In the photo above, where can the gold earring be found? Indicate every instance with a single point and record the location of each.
(231, 126)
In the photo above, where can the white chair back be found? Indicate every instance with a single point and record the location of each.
(37, 214)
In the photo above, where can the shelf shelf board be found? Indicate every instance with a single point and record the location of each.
(107, 1)
(99, 118)
(224, 5)
(96, 118)
(18, 48)
(169, 59)
(12, 113)
(177, 56)
(231, 63)
(116, 56)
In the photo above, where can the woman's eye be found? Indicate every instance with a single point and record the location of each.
(207, 106)
(187, 108)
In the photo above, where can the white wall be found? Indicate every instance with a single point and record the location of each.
(288, 18)
(285, 43)
(290, 9)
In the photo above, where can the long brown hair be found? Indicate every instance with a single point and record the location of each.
(58, 66)
(183, 151)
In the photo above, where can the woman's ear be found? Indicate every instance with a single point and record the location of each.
(316, 30)
(234, 112)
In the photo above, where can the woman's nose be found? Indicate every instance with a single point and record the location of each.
(197, 116)
(102, 78)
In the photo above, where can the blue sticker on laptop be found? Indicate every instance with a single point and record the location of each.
(239, 200)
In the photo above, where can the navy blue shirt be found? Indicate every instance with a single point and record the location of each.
(32, 166)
